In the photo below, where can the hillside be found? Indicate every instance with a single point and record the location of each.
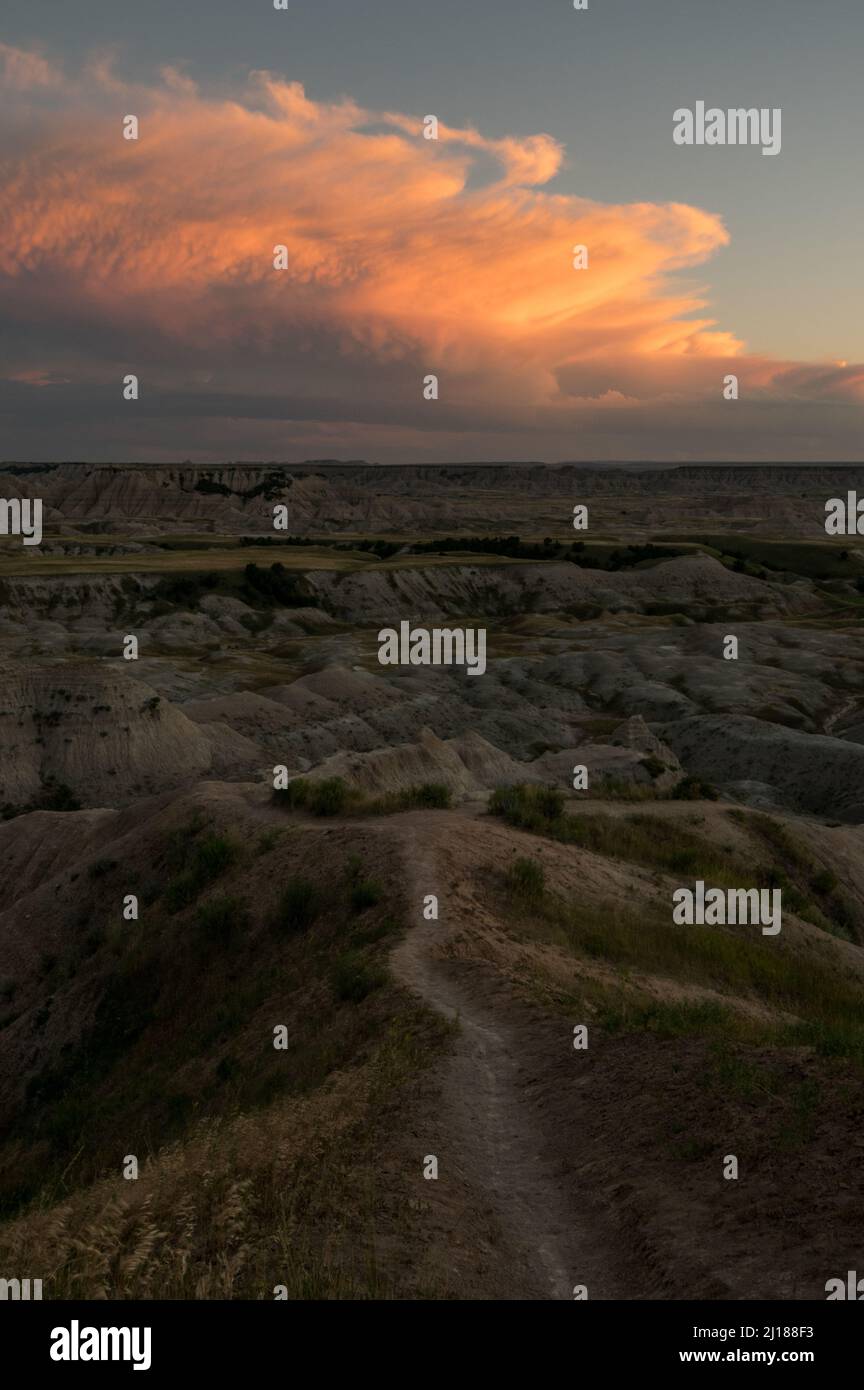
(423, 884)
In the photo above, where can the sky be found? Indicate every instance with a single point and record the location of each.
(407, 258)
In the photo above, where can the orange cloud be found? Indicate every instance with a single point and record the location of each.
(401, 251)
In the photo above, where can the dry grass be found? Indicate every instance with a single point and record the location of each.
(296, 1195)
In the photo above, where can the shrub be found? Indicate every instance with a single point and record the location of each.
(333, 796)
(59, 797)
(528, 807)
(353, 979)
(526, 878)
(328, 797)
(206, 860)
(296, 794)
(213, 855)
(824, 882)
(298, 906)
(365, 893)
(221, 919)
(434, 795)
(692, 789)
(325, 798)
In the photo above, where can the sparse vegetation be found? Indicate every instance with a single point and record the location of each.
(354, 977)
(526, 880)
(637, 838)
(299, 905)
(808, 1002)
(332, 796)
(327, 797)
(58, 797)
(809, 888)
(365, 893)
(694, 789)
(201, 861)
(222, 919)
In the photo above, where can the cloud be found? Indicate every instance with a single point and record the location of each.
(405, 256)
(21, 71)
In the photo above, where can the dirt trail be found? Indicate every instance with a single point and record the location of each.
(508, 1123)
(489, 1112)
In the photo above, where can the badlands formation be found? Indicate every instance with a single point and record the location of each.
(610, 752)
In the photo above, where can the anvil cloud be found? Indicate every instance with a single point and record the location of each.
(406, 256)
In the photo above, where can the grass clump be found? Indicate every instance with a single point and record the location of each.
(433, 795)
(332, 796)
(204, 861)
(221, 920)
(430, 796)
(526, 880)
(365, 893)
(809, 888)
(637, 838)
(353, 978)
(694, 789)
(329, 797)
(299, 905)
(810, 1003)
(672, 1019)
(528, 807)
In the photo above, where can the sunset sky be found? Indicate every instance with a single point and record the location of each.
(409, 256)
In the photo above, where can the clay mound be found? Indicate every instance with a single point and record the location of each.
(468, 766)
(635, 735)
(302, 701)
(356, 689)
(184, 631)
(35, 847)
(104, 736)
(231, 753)
(810, 772)
(245, 711)
(629, 757)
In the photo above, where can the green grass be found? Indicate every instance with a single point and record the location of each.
(667, 1020)
(327, 797)
(353, 977)
(332, 796)
(221, 920)
(637, 838)
(526, 880)
(825, 1009)
(811, 559)
(203, 861)
(809, 888)
(299, 904)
